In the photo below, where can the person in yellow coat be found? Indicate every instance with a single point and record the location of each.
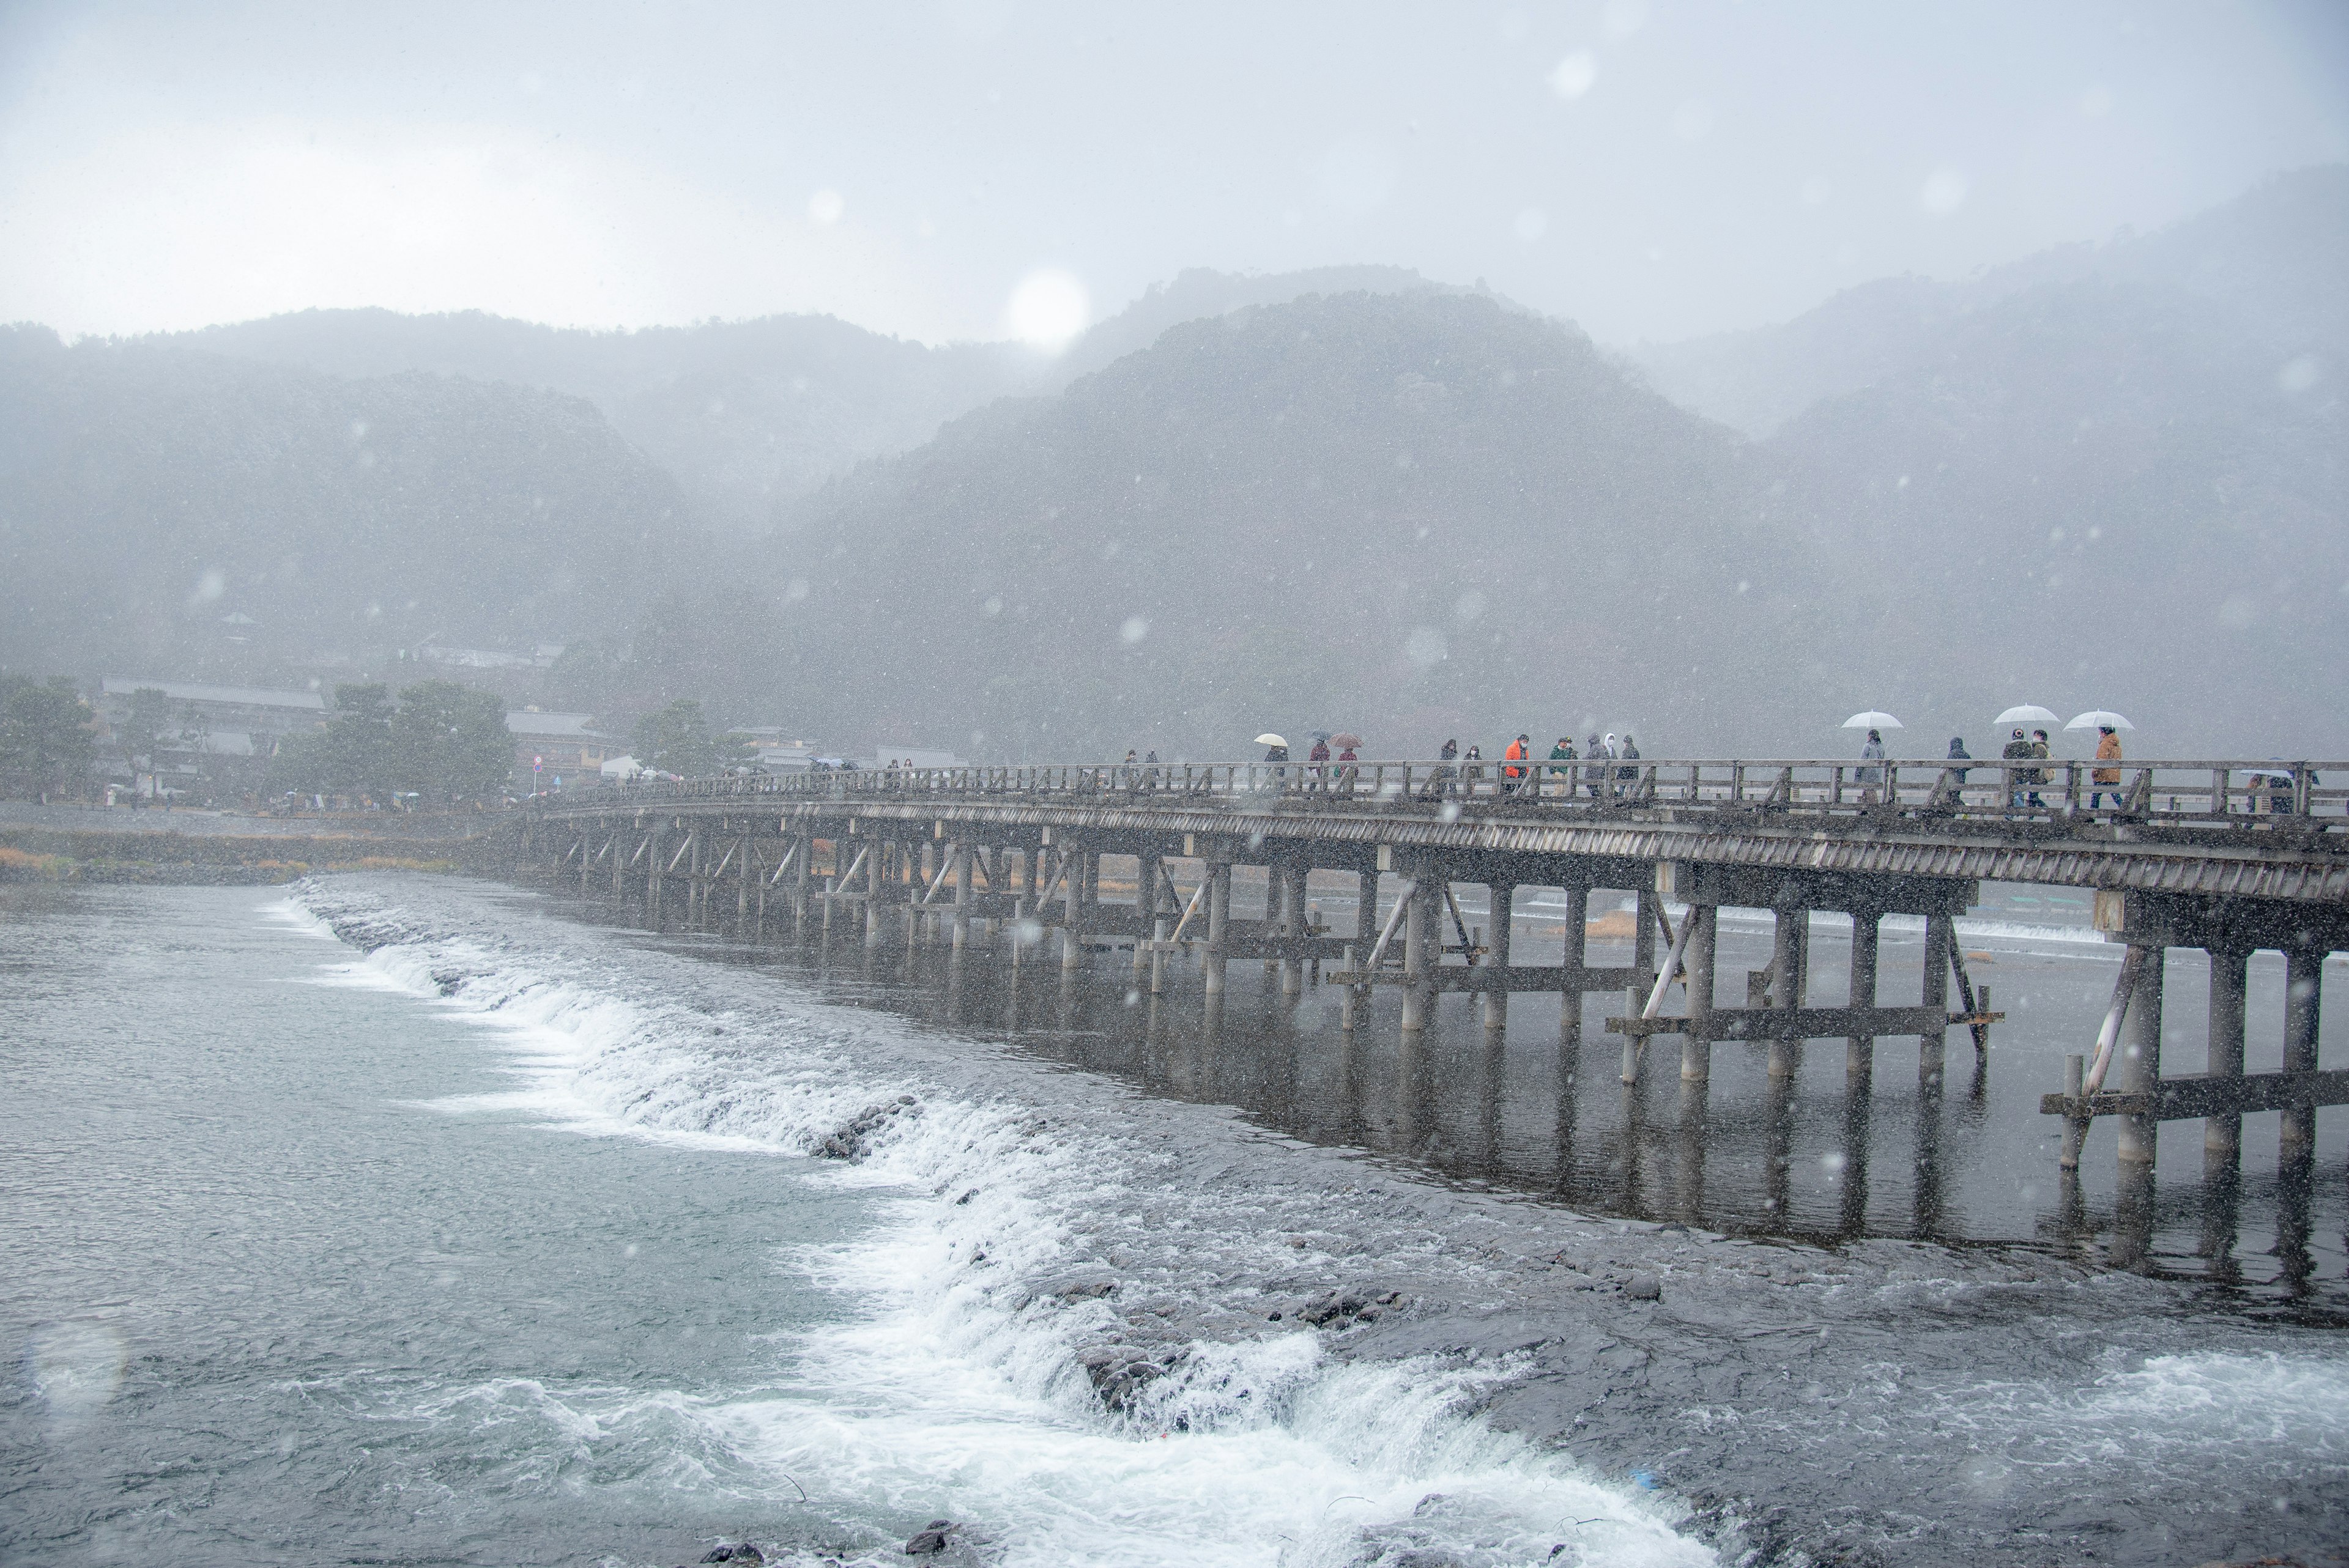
(2108, 749)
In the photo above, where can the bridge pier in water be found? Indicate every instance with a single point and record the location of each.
(1014, 855)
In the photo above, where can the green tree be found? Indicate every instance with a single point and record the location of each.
(143, 728)
(46, 745)
(676, 739)
(353, 754)
(451, 742)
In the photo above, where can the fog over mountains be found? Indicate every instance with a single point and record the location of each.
(2105, 476)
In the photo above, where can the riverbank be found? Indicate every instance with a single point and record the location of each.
(219, 855)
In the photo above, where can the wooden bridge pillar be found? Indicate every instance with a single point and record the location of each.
(1219, 921)
(742, 886)
(961, 849)
(1419, 918)
(1859, 1051)
(653, 881)
(2139, 1048)
(877, 857)
(1572, 961)
(1072, 938)
(2302, 1009)
(2222, 1136)
(1790, 946)
(801, 876)
(1293, 918)
(1932, 1044)
(1145, 910)
(1703, 943)
(1500, 898)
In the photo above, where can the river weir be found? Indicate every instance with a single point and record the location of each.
(411, 1214)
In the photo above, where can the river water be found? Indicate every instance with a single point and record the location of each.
(410, 1220)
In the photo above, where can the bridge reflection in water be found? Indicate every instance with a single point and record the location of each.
(1371, 895)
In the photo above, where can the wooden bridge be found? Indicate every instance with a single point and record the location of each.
(2229, 856)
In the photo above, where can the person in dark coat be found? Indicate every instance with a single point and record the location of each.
(1958, 754)
(2018, 779)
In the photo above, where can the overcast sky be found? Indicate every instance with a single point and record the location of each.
(1652, 171)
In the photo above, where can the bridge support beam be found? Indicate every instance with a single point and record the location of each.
(1219, 920)
(1499, 899)
(2296, 1131)
(1289, 880)
(2139, 1048)
(1790, 947)
(1145, 911)
(1933, 1046)
(1072, 937)
(962, 850)
(1860, 1050)
(1420, 925)
(1696, 1045)
(2222, 1134)
(1573, 960)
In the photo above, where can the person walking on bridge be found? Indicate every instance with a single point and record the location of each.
(1627, 777)
(1512, 764)
(1594, 746)
(2108, 749)
(1870, 776)
(1563, 752)
(2018, 779)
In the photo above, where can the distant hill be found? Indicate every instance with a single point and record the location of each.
(1197, 294)
(750, 416)
(2099, 494)
(1416, 514)
(743, 414)
(191, 514)
(2274, 263)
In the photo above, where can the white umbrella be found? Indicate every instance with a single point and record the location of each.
(2100, 718)
(2027, 712)
(1269, 739)
(1872, 719)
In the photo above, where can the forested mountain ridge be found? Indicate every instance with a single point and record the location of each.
(744, 415)
(750, 416)
(1322, 510)
(192, 514)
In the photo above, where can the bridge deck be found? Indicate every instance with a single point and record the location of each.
(2191, 828)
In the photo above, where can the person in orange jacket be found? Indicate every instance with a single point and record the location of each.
(2108, 749)
(1513, 773)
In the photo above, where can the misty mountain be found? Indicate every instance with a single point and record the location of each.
(743, 414)
(1197, 294)
(1416, 514)
(750, 416)
(2270, 262)
(189, 514)
(2084, 469)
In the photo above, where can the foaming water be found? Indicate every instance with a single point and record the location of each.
(954, 1389)
(483, 1237)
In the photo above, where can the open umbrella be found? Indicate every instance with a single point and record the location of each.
(2100, 718)
(2026, 713)
(1344, 738)
(1269, 739)
(1872, 719)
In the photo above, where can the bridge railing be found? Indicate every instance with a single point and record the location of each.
(2221, 791)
